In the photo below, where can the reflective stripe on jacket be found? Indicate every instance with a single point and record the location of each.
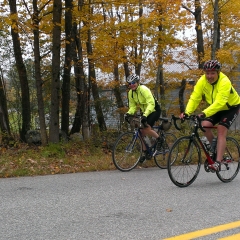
(143, 98)
(220, 95)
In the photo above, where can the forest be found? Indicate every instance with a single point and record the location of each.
(59, 56)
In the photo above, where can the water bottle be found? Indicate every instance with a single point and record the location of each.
(206, 142)
(213, 145)
(148, 141)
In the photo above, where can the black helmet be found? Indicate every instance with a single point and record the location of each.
(133, 78)
(212, 65)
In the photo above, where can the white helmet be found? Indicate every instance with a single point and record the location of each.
(133, 78)
(212, 65)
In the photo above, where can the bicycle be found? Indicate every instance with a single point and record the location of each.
(184, 160)
(128, 148)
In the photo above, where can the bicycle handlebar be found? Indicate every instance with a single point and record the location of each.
(139, 118)
(174, 118)
(195, 118)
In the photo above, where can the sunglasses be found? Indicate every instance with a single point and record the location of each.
(131, 83)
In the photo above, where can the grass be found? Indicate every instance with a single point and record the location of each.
(61, 158)
(71, 157)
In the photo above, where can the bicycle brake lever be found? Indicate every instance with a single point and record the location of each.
(199, 119)
(175, 122)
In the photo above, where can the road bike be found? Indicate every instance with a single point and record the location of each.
(184, 160)
(128, 148)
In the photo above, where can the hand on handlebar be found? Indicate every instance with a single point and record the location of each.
(144, 120)
(183, 116)
(127, 117)
(202, 115)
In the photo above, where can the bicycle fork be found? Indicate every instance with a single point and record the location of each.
(130, 146)
(188, 150)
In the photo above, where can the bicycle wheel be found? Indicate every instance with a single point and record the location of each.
(161, 157)
(230, 164)
(127, 151)
(184, 161)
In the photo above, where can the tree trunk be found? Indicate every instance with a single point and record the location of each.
(198, 28)
(125, 62)
(160, 79)
(67, 66)
(138, 57)
(82, 118)
(37, 65)
(4, 121)
(55, 86)
(181, 96)
(117, 92)
(26, 114)
(94, 87)
(216, 28)
(125, 65)
(162, 90)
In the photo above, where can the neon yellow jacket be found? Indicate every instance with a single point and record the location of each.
(220, 95)
(143, 98)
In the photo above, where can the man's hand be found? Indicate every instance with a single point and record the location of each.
(127, 117)
(144, 120)
(183, 115)
(202, 115)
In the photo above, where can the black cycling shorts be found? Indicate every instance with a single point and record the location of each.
(153, 117)
(224, 118)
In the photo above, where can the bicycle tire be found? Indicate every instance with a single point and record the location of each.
(229, 167)
(161, 157)
(184, 161)
(127, 151)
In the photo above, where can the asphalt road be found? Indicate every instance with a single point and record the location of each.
(141, 204)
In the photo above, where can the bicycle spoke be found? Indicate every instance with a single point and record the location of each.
(184, 162)
(230, 164)
(162, 156)
(126, 152)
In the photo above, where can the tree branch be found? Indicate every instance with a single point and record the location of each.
(188, 9)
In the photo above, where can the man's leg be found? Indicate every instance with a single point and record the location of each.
(221, 143)
(208, 131)
(226, 119)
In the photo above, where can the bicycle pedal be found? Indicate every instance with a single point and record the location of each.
(215, 167)
(206, 166)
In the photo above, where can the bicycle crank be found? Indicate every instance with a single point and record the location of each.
(207, 169)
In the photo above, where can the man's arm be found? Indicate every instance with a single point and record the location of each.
(195, 97)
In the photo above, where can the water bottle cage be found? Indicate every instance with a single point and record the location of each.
(213, 156)
(213, 146)
(213, 150)
(206, 143)
(207, 146)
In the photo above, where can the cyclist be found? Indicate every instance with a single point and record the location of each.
(140, 95)
(216, 89)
